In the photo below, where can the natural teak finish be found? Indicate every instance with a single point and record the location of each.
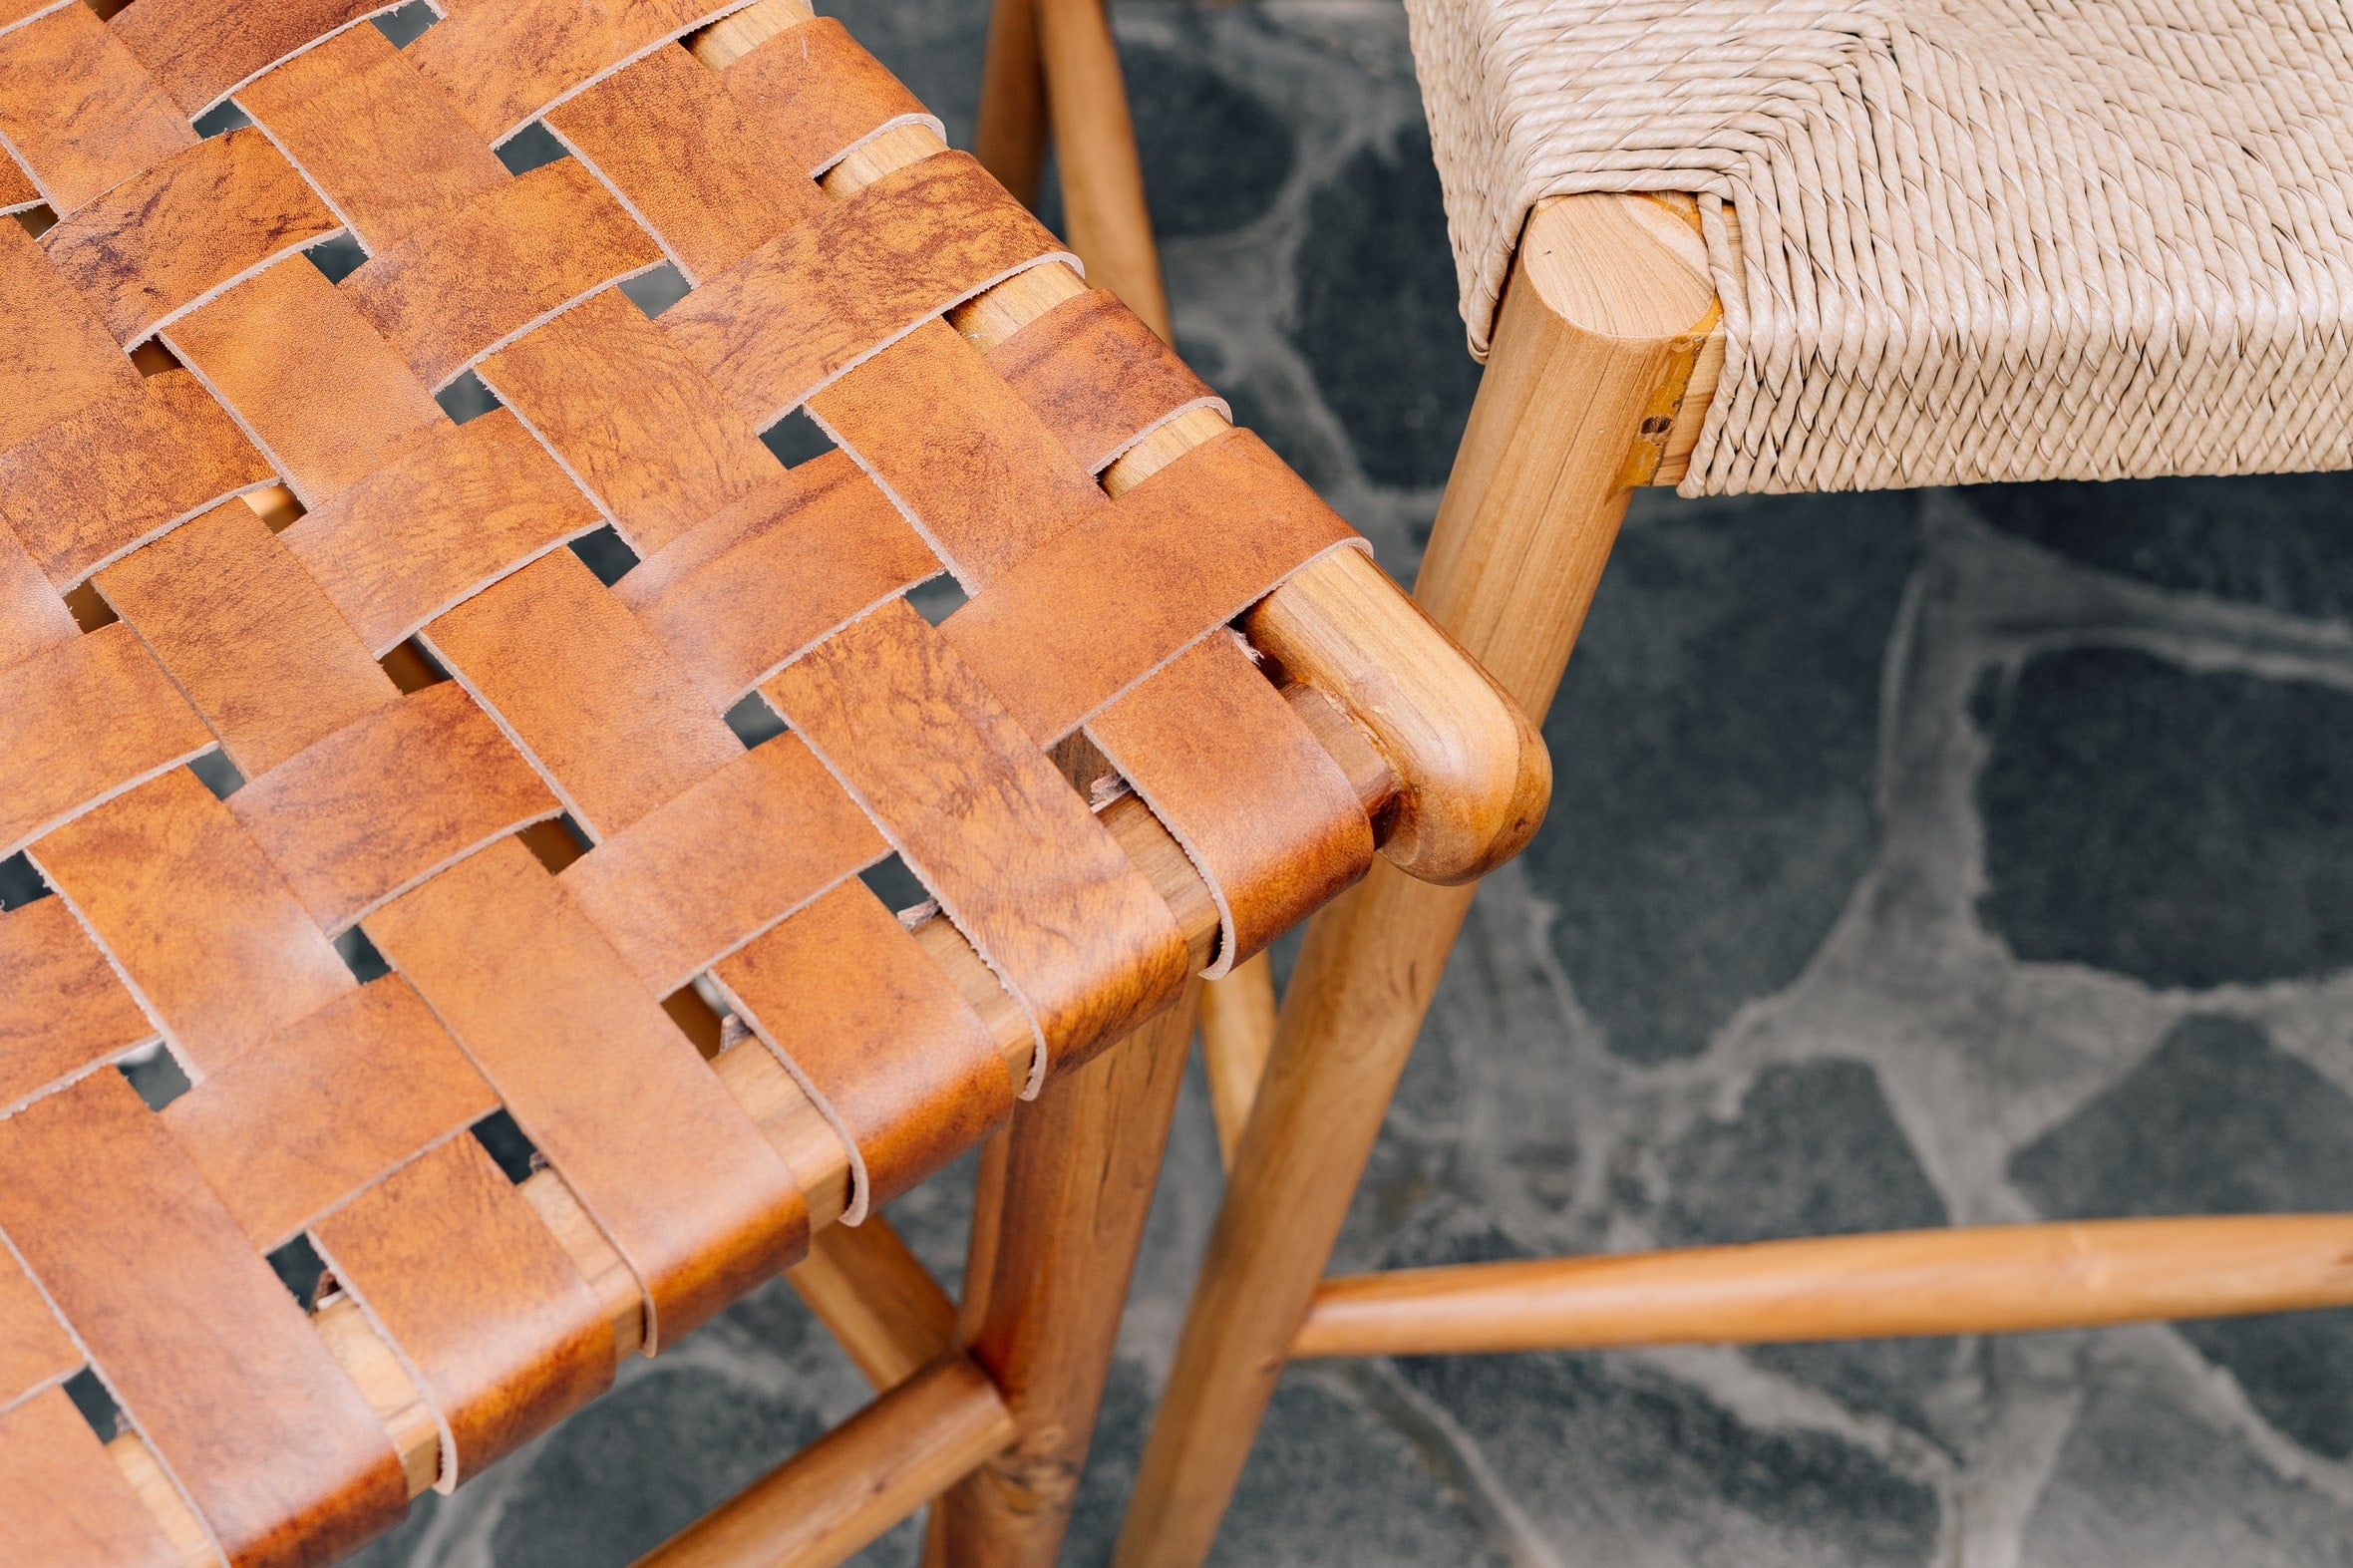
(1519, 547)
(1996, 1279)
(1606, 352)
(470, 832)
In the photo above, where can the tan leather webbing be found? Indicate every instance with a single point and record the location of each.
(275, 545)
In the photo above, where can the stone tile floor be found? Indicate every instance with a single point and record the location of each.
(1945, 857)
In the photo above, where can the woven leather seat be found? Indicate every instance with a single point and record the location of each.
(486, 840)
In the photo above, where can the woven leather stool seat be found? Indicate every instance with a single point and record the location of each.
(476, 829)
(1972, 239)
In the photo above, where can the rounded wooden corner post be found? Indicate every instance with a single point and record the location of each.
(1598, 331)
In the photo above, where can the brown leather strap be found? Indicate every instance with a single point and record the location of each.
(204, 49)
(1208, 728)
(503, 65)
(35, 1350)
(674, 144)
(117, 123)
(62, 1500)
(824, 295)
(32, 617)
(679, 1178)
(202, 1348)
(248, 635)
(429, 531)
(60, 357)
(381, 143)
(584, 691)
(976, 470)
(60, 1007)
(326, 1107)
(549, 238)
(384, 802)
(17, 193)
(83, 722)
(121, 472)
(758, 840)
(711, 598)
(146, 867)
(504, 1336)
(898, 1061)
(817, 94)
(128, 251)
(962, 793)
(631, 419)
(1099, 376)
(284, 350)
(1055, 638)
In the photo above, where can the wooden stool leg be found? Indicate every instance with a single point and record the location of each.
(1009, 133)
(1237, 1032)
(1593, 339)
(1056, 1223)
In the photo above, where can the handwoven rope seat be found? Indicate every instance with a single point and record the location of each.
(330, 771)
(1975, 240)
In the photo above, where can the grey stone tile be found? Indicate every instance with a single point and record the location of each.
(1714, 756)
(1328, 1485)
(1376, 316)
(2142, 1481)
(641, 1464)
(1814, 1151)
(1620, 1463)
(1215, 155)
(1120, 1426)
(2184, 828)
(2275, 539)
(2218, 1121)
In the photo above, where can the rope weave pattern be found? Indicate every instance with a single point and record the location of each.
(1977, 241)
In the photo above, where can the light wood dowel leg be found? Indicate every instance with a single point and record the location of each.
(1102, 205)
(1068, 1188)
(1237, 1033)
(877, 1299)
(1596, 324)
(1009, 133)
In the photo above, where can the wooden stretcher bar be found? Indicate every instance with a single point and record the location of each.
(1998, 1279)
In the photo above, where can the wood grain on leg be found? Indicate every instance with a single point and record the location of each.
(1066, 1193)
(1599, 314)
(1237, 1032)
(1095, 149)
(1009, 133)
(876, 1297)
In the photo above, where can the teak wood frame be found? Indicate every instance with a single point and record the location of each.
(1605, 354)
